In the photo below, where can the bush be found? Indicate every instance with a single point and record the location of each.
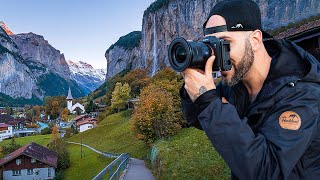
(46, 130)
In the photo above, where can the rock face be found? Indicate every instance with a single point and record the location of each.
(174, 18)
(88, 78)
(35, 48)
(32, 68)
(119, 59)
(16, 79)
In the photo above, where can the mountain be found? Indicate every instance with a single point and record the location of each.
(165, 20)
(5, 28)
(88, 78)
(30, 69)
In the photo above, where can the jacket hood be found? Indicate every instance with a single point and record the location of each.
(288, 59)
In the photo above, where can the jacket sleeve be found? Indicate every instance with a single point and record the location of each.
(189, 108)
(271, 153)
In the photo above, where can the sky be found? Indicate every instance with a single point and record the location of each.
(81, 29)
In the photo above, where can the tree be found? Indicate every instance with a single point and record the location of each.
(9, 110)
(55, 109)
(64, 114)
(120, 95)
(91, 107)
(36, 110)
(137, 79)
(59, 146)
(154, 118)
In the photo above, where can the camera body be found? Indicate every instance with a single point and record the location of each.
(184, 54)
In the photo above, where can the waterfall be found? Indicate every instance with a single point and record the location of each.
(144, 39)
(155, 59)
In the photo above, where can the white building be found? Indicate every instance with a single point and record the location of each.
(5, 131)
(71, 107)
(86, 124)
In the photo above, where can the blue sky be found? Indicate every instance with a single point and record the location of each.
(81, 29)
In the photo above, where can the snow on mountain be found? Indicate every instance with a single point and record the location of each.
(86, 76)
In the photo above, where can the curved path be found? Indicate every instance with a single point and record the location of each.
(137, 171)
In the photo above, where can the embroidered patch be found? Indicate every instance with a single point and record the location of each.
(290, 120)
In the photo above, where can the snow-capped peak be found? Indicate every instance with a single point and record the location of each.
(87, 76)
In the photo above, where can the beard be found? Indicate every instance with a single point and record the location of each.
(243, 67)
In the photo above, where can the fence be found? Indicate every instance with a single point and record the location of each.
(120, 164)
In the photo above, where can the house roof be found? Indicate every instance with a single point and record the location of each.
(35, 151)
(300, 30)
(4, 125)
(78, 118)
(5, 118)
(87, 121)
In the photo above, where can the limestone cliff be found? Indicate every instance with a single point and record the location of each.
(16, 79)
(35, 48)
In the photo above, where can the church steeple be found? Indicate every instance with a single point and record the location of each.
(69, 97)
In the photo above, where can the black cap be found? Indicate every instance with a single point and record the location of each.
(240, 15)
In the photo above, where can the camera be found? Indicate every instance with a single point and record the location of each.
(184, 54)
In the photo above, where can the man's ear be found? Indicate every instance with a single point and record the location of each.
(256, 40)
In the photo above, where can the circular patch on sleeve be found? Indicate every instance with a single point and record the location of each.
(290, 120)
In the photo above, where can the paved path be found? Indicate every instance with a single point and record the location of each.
(137, 171)
(110, 155)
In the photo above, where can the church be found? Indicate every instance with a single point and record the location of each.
(71, 107)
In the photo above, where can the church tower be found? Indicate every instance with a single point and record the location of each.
(69, 99)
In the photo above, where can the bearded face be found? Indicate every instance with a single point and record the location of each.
(242, 68)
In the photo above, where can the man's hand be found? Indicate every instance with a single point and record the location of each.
(197, 81)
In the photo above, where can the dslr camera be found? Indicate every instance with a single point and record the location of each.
(184, 54)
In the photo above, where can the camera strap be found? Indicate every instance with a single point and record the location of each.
(216, 29)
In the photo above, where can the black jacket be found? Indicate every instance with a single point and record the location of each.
(253, 139)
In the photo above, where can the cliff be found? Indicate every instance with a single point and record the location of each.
(35, 48)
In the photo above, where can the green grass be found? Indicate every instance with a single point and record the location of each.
(87, 167)
(42, 140)
(113, 135)
(189, 155)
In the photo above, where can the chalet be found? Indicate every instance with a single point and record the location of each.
(306, 36)
(5, 131)
(31, 161)
(132, 103)
(86, 124)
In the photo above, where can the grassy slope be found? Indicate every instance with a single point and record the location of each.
(190, 155)
(113, 135)
(86, 168)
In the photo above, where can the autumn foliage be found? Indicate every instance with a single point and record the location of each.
(158, 114)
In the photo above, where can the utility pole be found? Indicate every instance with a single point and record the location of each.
(81, 144)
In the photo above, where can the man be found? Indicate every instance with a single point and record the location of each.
(263, 118)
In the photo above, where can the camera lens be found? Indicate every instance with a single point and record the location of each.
(180, 53)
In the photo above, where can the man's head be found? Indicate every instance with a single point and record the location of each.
(238, 21)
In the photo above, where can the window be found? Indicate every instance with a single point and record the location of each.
(49, 172)
(89, 127)
(33, 160)
(29, 171)
(18, 161)
(16, 172)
